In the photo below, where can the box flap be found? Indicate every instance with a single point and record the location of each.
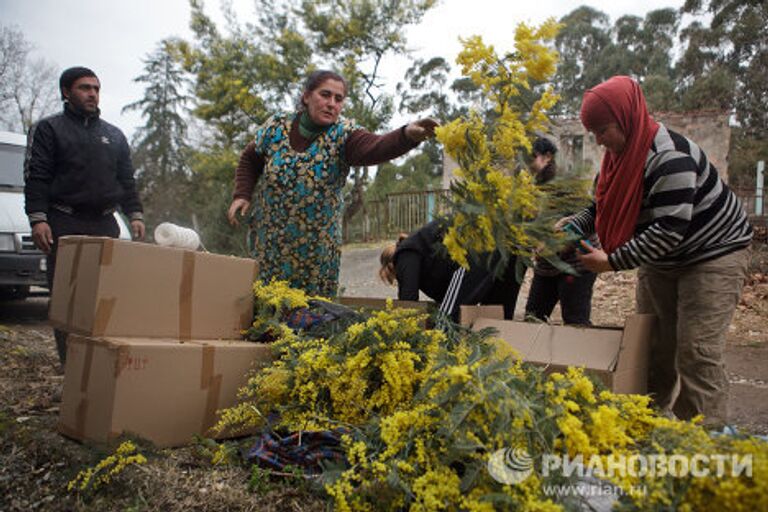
(89, 389)
(468, 314)
(541, 343)
(631, 380)
(223, 293)
(76, 282)
(639, 331)
(139, 291)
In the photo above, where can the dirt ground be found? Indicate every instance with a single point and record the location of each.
(36, 462)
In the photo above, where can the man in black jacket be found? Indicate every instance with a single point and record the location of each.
(77, 172)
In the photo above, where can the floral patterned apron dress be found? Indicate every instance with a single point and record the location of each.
(297, 209)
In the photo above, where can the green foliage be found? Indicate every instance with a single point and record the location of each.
(160, 149)
(592, 51)
(418, 172)
(228, 77)
(215, 453)
(737, 41)
(580, 42)
(211, 189)
(90, 480)
(426, 90)
(746, 151)
(722, 64)
(258, 482)
(660, 93)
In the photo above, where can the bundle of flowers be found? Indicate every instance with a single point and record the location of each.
(495, 205)
(370, 367)
(443, 421)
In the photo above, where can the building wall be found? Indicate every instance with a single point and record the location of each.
(708, 129)
(578, 149)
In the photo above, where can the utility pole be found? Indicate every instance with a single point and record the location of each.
(759, 179)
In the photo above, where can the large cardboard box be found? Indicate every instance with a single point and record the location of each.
(162, 390)
(108, 287)
(616, 356)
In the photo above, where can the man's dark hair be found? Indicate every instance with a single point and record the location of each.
(71, 75)
(314, 80)
(542, 146)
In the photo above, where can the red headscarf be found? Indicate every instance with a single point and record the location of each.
(619, 192)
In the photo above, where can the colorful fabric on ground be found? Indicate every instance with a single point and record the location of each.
(305, 450)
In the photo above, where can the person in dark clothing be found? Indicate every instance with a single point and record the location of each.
(77, 171)
(549, 285)
(416, 264)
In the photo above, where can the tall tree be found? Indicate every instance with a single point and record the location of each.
(228, 74)
(733, 50)
(653, 52)
(591, 51)
(160, 146)
(580, 43)
(657, 41)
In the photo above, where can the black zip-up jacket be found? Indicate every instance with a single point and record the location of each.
(80, 163)
(420, 265)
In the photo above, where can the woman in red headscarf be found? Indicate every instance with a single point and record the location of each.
(660, 205)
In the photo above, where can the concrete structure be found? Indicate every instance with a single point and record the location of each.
(578, 150)
(709, 129)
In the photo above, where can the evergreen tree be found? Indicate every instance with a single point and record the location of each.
(160, 149)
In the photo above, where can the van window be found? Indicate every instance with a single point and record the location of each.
(11, 165)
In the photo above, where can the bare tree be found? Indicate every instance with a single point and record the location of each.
(34, 95)
(27, 88)
(13, 54)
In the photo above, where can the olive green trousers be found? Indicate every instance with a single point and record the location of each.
(695, 305)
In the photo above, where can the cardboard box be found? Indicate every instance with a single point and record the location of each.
(165, 391)
(616, 356)
(108, 287)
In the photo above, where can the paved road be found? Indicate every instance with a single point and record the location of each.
(360, 273)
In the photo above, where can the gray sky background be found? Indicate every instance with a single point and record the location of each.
(112, 37)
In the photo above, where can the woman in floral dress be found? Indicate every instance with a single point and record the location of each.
(294, 172)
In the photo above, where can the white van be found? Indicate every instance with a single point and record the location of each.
(21, 265)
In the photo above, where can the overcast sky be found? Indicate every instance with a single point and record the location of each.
(112, 37)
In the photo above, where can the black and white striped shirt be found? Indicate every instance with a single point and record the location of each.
(688, 214)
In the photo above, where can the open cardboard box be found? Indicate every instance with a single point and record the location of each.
(108, 287)
(166, 391)
(616, 356)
